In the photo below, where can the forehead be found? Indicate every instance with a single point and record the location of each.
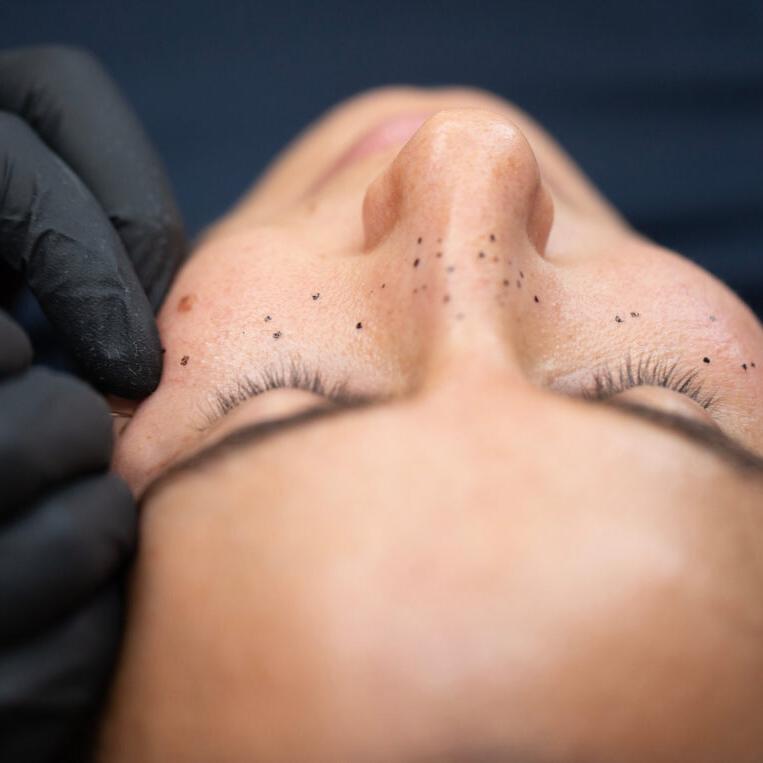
(415, 559)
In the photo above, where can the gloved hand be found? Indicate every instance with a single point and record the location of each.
(67, 527)
(88, 221)
(87, 217)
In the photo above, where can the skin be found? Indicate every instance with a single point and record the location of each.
(487, 566)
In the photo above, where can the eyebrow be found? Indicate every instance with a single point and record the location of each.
(744, 462)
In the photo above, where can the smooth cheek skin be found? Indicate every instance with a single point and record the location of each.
(368, 601)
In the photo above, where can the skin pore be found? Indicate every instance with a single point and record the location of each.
(467, 559)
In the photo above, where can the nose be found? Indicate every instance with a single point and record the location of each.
(463, 209)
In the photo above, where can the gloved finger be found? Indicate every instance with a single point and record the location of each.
(15, 347)
(54, 232)
(51, 687)
(55, 556)
(53, 428)
(67, 97)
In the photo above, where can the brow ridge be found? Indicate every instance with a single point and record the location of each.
(743, 461)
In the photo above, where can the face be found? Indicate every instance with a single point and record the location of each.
(455, 551)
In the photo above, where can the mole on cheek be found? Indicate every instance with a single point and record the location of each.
(358, 325)
(184, 360)
(416, 262)
(185, 303)
(536, 298)
(705, 360)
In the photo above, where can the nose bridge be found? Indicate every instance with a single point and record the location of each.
(462, 214)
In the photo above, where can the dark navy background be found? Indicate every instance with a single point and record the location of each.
(660, 102)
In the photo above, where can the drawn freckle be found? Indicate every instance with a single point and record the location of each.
(316, 295)
(277, 335)
(744, 365)
(536, 298)
(358, 325)
(268, 318)
(184, 360)
(705, 360)
(416, 262)
(618, 319)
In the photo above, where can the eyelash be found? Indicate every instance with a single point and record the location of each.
(648, 371)
(606, 383)
(296, 376)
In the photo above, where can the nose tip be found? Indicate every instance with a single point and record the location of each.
(463, 171)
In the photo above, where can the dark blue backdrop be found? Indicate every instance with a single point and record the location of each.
(660, 102)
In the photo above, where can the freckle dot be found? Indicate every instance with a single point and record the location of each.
(277, 335)
(712, 317)
(492, 237)
(415, 291)
(358, 325)
(459, 316)
(618, 319)
(519, 284)
(184, 360)
(536, 298)
(505, 281)
(416, 262)
(744, 365)
(705, 360)
(316, 295)
(752, 364)
(481, 255)
(451, 268)
(438, 255)
(268, 318)
(446, 298)
(384, 286)
(419, 240)
(521, 274)
(495, 259)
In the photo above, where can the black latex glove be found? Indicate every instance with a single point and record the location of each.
(87, 217)
(67, 527)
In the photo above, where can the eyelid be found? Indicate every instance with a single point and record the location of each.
(649, 370)
(297, 375)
